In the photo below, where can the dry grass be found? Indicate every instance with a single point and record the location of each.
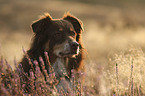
(126, 72)
(113, 35)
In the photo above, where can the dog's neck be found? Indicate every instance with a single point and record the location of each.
(60, 67)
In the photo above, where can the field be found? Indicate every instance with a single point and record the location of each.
(114, 38)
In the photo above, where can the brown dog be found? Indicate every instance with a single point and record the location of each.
(61, 38)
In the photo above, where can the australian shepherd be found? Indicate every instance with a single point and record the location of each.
(61, 39)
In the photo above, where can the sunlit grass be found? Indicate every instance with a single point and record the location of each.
(125, 75)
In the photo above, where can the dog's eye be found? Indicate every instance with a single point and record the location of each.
(58, 35)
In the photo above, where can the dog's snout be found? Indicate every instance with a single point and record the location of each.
(74, 45)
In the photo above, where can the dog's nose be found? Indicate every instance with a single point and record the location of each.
(74, 45)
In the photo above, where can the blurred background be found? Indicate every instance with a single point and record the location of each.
(110, 26)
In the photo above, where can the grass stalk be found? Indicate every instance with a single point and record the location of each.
(117, 81)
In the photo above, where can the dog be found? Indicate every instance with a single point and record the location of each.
(61, 39)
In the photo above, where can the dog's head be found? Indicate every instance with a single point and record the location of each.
(60, 37)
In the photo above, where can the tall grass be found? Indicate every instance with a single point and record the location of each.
(125, 76)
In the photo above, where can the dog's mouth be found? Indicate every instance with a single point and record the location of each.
(69, 54)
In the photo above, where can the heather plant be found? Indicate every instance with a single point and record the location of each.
(125, 76)
(37, 83)
(13, 82)
(126, 73)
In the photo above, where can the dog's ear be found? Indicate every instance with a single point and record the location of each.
(75, 22)
(40, 25)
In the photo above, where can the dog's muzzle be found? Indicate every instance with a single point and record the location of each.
(71, 50)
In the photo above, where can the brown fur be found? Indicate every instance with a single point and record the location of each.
(45, 39)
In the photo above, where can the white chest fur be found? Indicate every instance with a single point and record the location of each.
(60, 72)
(60, 68)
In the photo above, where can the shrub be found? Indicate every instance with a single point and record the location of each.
(38, 83)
